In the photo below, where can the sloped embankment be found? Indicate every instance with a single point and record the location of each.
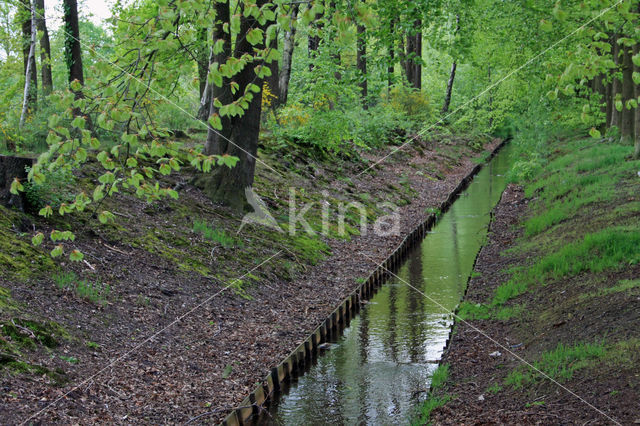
(67, 324)
(551, 320)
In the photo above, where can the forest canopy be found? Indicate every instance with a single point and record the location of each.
(211, 85)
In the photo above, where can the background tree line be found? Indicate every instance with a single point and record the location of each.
(327, 79)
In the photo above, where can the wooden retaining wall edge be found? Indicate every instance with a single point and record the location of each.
(297, 361)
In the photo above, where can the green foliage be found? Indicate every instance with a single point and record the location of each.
(56, 188)
(64, 279)
(414, 104)
(216, 235)
(347, 128)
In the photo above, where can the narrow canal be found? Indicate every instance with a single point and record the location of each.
(379, 370)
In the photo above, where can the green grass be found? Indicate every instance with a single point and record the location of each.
(216, 235)
(558, 364)
(494, 388)
(96, 292)
(64, 279)
(621, 286)
(604, 250)
(438, 380)
(585, 175)
(480, 311)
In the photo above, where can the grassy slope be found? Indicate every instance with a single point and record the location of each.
(573, 302)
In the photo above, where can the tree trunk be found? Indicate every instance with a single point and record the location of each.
(29, 58)
(337, 59)
(452, 74)
(11, 168)
(217, 141)
(616, 86)
(287, 56)
(417, 65)
(626, 127)
(408, 64)
(402, 53)
(391, 50)
(599, 88)
(202, 56)
(447, 96)
(361, 63)
(273, 81)
(240, 133)
(30, 74)
(413, 69)
(636, 68)
(314, 39)
(205, 96)
(45, 48)
(72, 51)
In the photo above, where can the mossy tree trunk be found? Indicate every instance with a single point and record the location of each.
(313, 42)
(239, 134)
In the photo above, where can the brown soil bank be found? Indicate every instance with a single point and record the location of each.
(116, 338)
(551, 321)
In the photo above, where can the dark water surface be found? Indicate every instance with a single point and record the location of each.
(378, 371)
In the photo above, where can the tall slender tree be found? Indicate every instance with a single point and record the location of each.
(28, 54)
(45, 48)
(628, 92)
(452, 74)
(636, 68)
(413, 55)
(31, 79)
(202, 53)
(287, 55)
(313, 42)
(616, 85)
(361, 63)
(72, 49)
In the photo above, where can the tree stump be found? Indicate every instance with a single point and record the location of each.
(11, 168)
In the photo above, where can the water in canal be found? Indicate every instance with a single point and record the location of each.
(378, 371)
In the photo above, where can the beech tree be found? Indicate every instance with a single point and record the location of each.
(237, 103)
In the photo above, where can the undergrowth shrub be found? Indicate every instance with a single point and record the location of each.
(413, 103)
(328, 130)
(56, 189)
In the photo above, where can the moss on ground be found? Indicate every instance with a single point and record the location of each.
(19, 259)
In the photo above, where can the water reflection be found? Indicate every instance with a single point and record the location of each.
(382, 364)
